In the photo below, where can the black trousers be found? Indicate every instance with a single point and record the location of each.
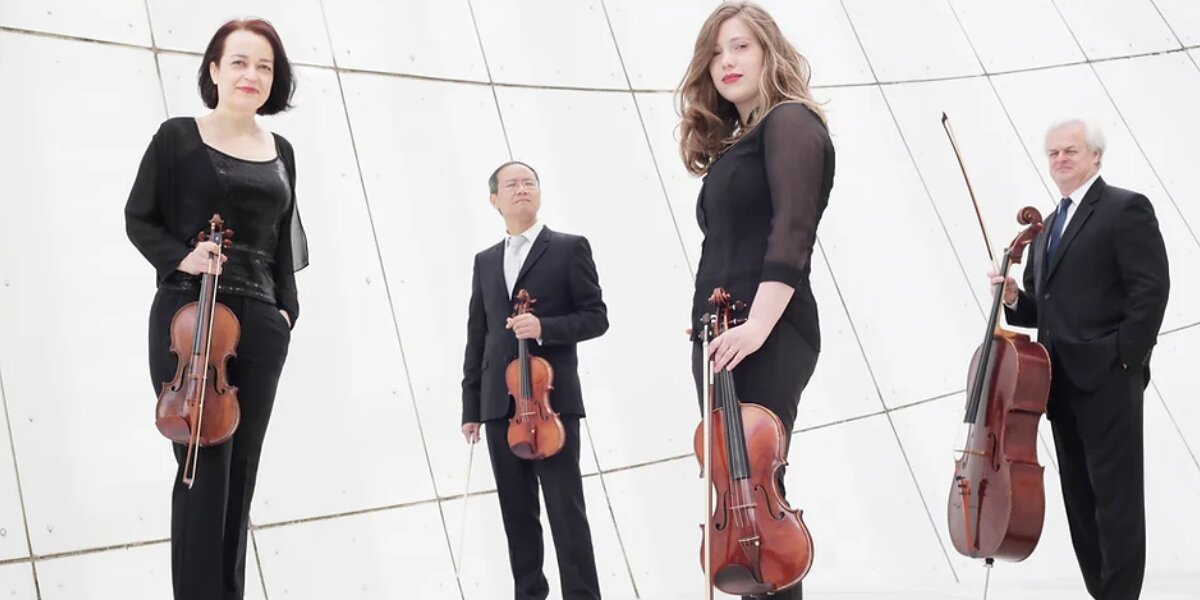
(775, 376)
(1098, 438)
(209, 521)
(562, 485)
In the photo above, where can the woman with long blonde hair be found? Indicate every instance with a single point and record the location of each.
(751, 127)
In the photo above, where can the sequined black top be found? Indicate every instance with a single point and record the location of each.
(259, 195)
(759, 208)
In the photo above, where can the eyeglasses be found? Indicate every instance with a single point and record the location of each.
(514, 184)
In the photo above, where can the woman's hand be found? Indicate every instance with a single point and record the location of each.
(197, 262)
(729, 348)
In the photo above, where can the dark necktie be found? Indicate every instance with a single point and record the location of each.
(1060, 224)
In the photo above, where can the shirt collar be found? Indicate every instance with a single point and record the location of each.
(530, 234)
(1077, 195)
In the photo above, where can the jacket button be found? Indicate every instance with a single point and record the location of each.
(1046, 295)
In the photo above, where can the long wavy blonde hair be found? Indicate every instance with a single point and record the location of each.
(710, 123)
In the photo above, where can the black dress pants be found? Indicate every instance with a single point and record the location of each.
(209, 521)
(562, 485)
(1099, 442)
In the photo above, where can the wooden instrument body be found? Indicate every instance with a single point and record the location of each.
(766, 525)
(998, 477)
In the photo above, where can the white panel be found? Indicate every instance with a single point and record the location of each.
(1002, 176)
(16, 581)
(860, 515)
(1172, 369)
(425, 37)
(886, 248)
(485, 567)
(117, 21)
(367, 406)
(399, 553)
(1157, 96)
(820, 30)
(599, 181)
(841, 387)
(135, 573)
(927, 433)
(659, 509)
(13, 542)
(888, 31)
(1109, 28)
(656, 38)
(661, 119)
(300, 25)
(1032, 109)
(74, 168)
(1172, 493)
(1183, 17)
(549, 42)
(993, 27)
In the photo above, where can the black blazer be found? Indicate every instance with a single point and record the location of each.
(173, 196)
(1101, 301)
(560, 275)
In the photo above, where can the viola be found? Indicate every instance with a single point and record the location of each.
(198, 407)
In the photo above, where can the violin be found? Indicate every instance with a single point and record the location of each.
(534, 430)
(997, 500)
(754, 542)
(199, 407)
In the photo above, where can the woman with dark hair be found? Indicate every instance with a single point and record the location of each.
(751, 127)
(224, 162)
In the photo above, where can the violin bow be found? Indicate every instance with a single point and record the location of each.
(708, 402)
(462, 535)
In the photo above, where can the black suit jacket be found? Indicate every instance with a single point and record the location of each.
(1101, 301)
(560, 275)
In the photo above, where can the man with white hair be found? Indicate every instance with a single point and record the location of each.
(1096, 290)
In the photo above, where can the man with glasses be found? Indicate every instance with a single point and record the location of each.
(557, 271)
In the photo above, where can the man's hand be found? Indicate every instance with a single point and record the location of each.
(526, 326)
(470, 431)
(1010, 287)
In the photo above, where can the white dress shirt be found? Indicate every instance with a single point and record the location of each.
(515, 253)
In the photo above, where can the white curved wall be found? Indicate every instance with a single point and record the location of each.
(402, 111)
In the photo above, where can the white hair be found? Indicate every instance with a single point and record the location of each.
(1093, 135)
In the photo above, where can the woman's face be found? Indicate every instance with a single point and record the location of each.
(245, 72)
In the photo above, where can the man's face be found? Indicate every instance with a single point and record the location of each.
(517, 192)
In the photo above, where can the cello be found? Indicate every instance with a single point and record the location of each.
(534, 431)
(754, 542)
(199, 407)
(997, 501)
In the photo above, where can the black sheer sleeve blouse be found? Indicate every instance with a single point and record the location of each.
(759, 208)
(180, 184)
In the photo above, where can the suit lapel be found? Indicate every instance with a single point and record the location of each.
(1039, 258)
(536, 252)
(495, 270)
(1078, 220)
